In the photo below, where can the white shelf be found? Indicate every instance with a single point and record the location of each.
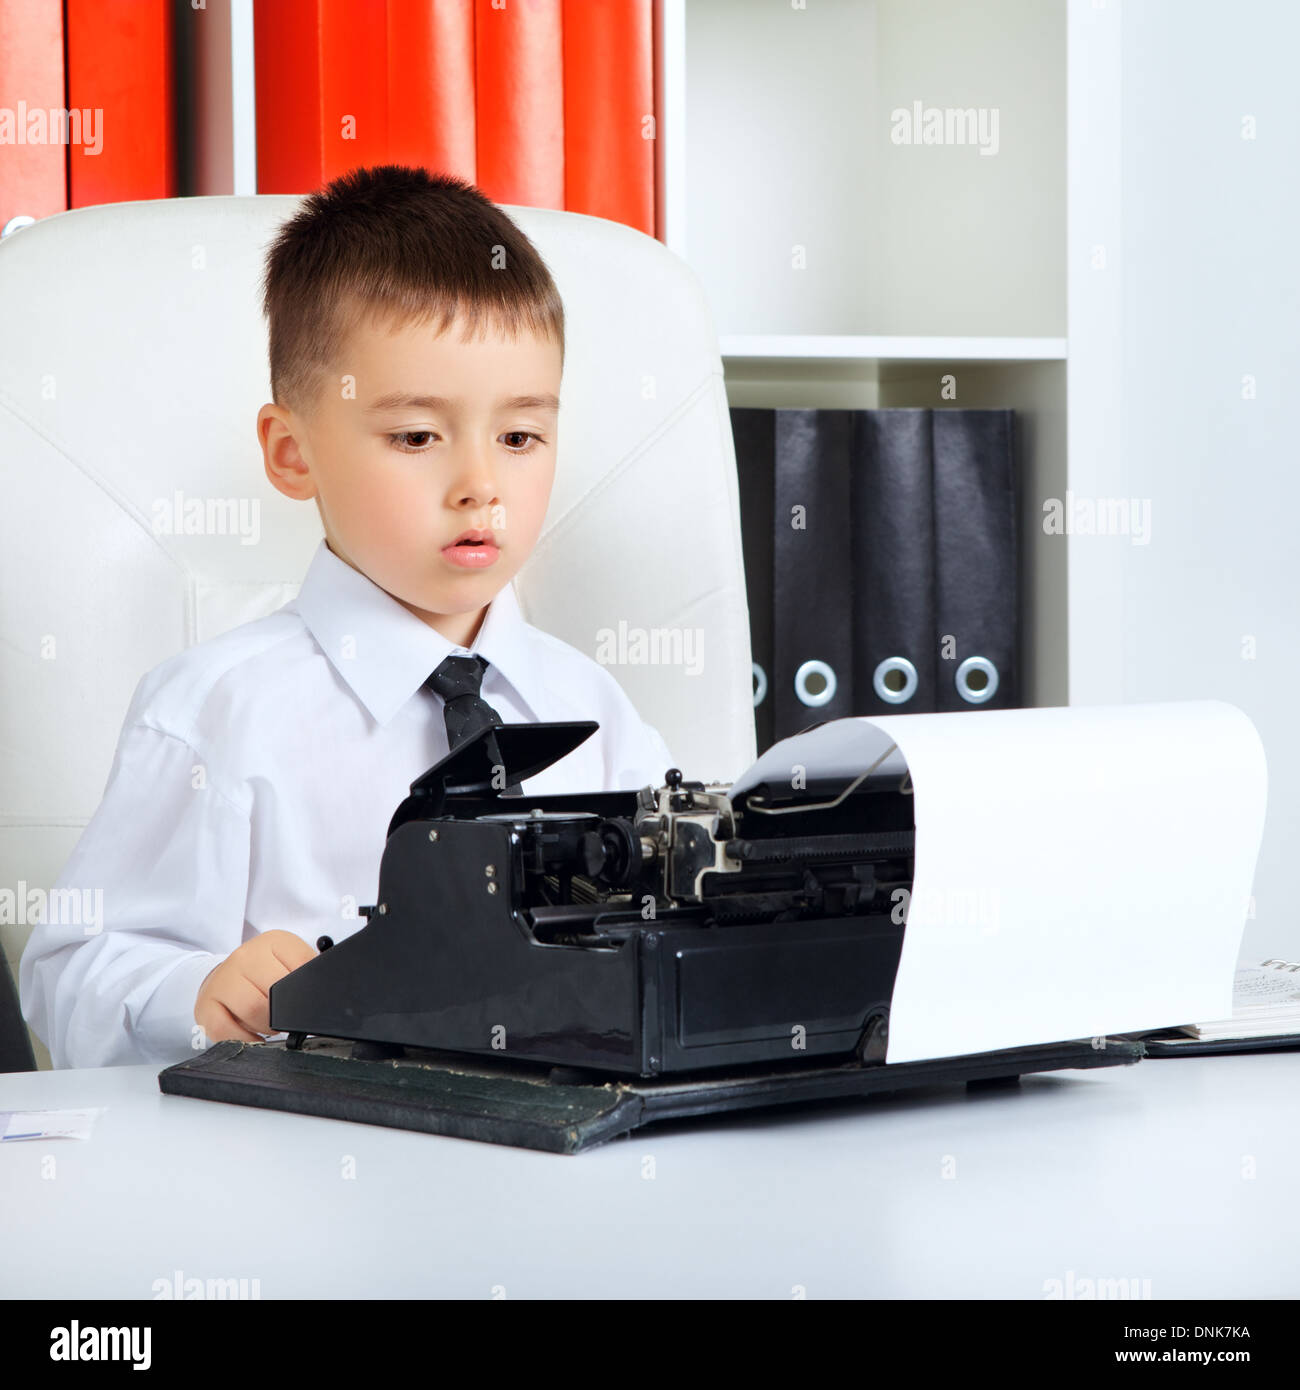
(826, 347)
(805, 212)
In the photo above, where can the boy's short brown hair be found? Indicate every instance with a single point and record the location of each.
(397, 243)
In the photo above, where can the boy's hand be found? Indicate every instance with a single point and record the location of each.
(234, 998)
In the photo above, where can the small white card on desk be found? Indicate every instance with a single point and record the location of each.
(48, 1124)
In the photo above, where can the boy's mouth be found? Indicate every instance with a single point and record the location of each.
(472, 549)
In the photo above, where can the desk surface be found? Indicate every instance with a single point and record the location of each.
(1180, 1171)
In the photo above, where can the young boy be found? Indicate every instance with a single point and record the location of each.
(416, 351)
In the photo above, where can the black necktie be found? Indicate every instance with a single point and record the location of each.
(458, 680)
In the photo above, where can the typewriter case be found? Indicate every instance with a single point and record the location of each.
(645, 933)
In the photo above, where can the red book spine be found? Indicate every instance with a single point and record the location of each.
(519, 77)
(120, 70)
(368, 82)
(431, 86)
(33, 173)
(609, 125)
(541, 103)
(287, 89)
(354, 85)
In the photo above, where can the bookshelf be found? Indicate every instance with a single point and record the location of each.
(852, 265)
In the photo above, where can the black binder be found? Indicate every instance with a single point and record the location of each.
(881, 557)
(894, 562)
(976, 587)
(814, 594)
(754, 433)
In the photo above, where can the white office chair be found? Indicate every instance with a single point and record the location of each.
(132, 365)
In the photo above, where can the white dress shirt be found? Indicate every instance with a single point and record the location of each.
(252, 787)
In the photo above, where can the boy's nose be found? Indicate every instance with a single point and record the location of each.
(474, 477)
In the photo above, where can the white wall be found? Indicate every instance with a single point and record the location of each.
(1200, 288)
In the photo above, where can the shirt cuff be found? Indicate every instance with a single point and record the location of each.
(165, 1029)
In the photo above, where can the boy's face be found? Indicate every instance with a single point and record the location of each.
(398, 475)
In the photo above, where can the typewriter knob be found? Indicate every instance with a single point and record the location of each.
(673, 778)
(592, 850)
(611, 853)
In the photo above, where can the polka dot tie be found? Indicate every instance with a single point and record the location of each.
(458, 680)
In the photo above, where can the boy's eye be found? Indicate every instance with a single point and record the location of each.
(521, 434)
(416, 441)
(409, 436)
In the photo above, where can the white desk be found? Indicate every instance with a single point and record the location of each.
(1130, 1172)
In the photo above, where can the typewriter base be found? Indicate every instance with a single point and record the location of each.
(522, 1105)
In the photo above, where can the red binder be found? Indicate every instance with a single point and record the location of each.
(519, 78)
(431, 84)
(609, 130)
(120, 67)
(291, 40)
(368, 82)
(542, 103)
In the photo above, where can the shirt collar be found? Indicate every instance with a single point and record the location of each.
(381, 649)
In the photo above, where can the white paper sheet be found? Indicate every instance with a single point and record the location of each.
(48, 1124)
(1080, 871)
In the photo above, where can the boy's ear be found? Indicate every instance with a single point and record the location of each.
(277, 431)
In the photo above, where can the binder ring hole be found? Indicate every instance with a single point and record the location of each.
(814, 683)
(895, 680)
(760, 684)
(977, 680)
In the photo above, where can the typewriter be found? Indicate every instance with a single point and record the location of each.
(637, 934)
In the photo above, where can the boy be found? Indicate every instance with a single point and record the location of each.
(416, 351)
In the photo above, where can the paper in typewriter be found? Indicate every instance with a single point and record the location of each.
(1079, 871)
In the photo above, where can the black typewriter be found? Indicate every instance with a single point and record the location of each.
(648, 933)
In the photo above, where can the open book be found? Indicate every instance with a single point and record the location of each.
(1265, 1002)
(1265, 1005)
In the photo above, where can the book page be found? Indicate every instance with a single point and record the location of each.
(1265, 1000)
